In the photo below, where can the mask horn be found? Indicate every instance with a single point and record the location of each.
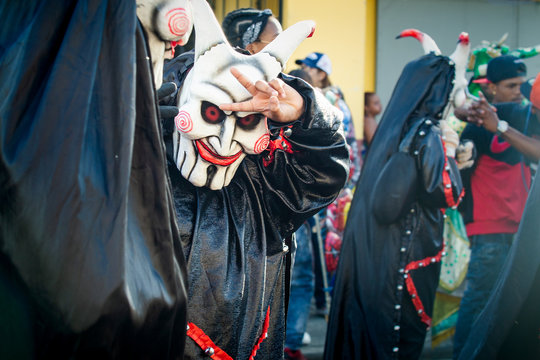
(284, 45)
(461, 55)
(208, 32)
(428, 44)
(460, 58)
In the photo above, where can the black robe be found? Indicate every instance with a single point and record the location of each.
(509, 325)
(90, 258)
(233, 237)
(372, 314)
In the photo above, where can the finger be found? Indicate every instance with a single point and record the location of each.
(474, 120)
(242, 79)
(479, 110)
(463, 155)
(278, 85)
(483, 101)
(166, 89)
(264, 87)
(465, 165)
(168, 112)
(246, 106)
(481, 96)
(475, 105)
(273, 104)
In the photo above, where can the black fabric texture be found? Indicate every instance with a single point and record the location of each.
(509, 325)
(90, 259)
(235, 239)
(370, 296)
(396, 186)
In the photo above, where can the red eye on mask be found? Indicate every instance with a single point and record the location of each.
(249, 122)
(212, 113)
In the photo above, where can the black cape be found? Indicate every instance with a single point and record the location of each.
(233, 237)
(90, 258)
(509, 325)
(372, 314)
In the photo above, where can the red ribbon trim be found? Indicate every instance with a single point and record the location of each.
(448, 192)
(417, 302)
(263, 336)
(281, 143)
(204, 341)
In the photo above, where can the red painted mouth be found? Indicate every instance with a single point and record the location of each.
(210, 156)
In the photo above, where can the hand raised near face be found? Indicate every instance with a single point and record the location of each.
(483, 114)
(275, 99)
(480, 113)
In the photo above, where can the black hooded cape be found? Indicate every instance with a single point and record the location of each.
(373, 315)
(90, 258)
(509, 325)
(233, 238)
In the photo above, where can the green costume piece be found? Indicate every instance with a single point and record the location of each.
(482, 54)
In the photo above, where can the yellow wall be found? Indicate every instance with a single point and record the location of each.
(345, 31)
(340, 33)
(371, 45)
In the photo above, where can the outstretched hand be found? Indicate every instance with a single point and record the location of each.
(275, 99)
(480, 113)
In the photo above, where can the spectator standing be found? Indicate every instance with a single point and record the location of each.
(372, 108)
(497, 185)
(508, 326)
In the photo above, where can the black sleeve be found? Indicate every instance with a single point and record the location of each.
(439, 175)
(307, 162)
(479, 136)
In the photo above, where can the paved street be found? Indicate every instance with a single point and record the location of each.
(317, 329)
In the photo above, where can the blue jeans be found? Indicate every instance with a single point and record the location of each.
(488, 253)
(302, 285)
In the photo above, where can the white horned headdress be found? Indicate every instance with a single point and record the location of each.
(459, 58)
(167, 23)
(210, 144)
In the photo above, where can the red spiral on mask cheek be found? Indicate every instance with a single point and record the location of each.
(183, 122)
(261, 144)
(178, 21)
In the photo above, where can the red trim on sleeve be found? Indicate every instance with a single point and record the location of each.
(280, 143)
(447, 183)
(417, 302)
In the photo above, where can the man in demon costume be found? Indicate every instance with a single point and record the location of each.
(392, 246)
(253, 154)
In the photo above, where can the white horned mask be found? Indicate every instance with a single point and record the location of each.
(460, 94)
(210, 144)
(167, 23)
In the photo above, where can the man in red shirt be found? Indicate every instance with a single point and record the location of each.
(497, 186)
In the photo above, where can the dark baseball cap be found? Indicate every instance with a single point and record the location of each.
(502, 68)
